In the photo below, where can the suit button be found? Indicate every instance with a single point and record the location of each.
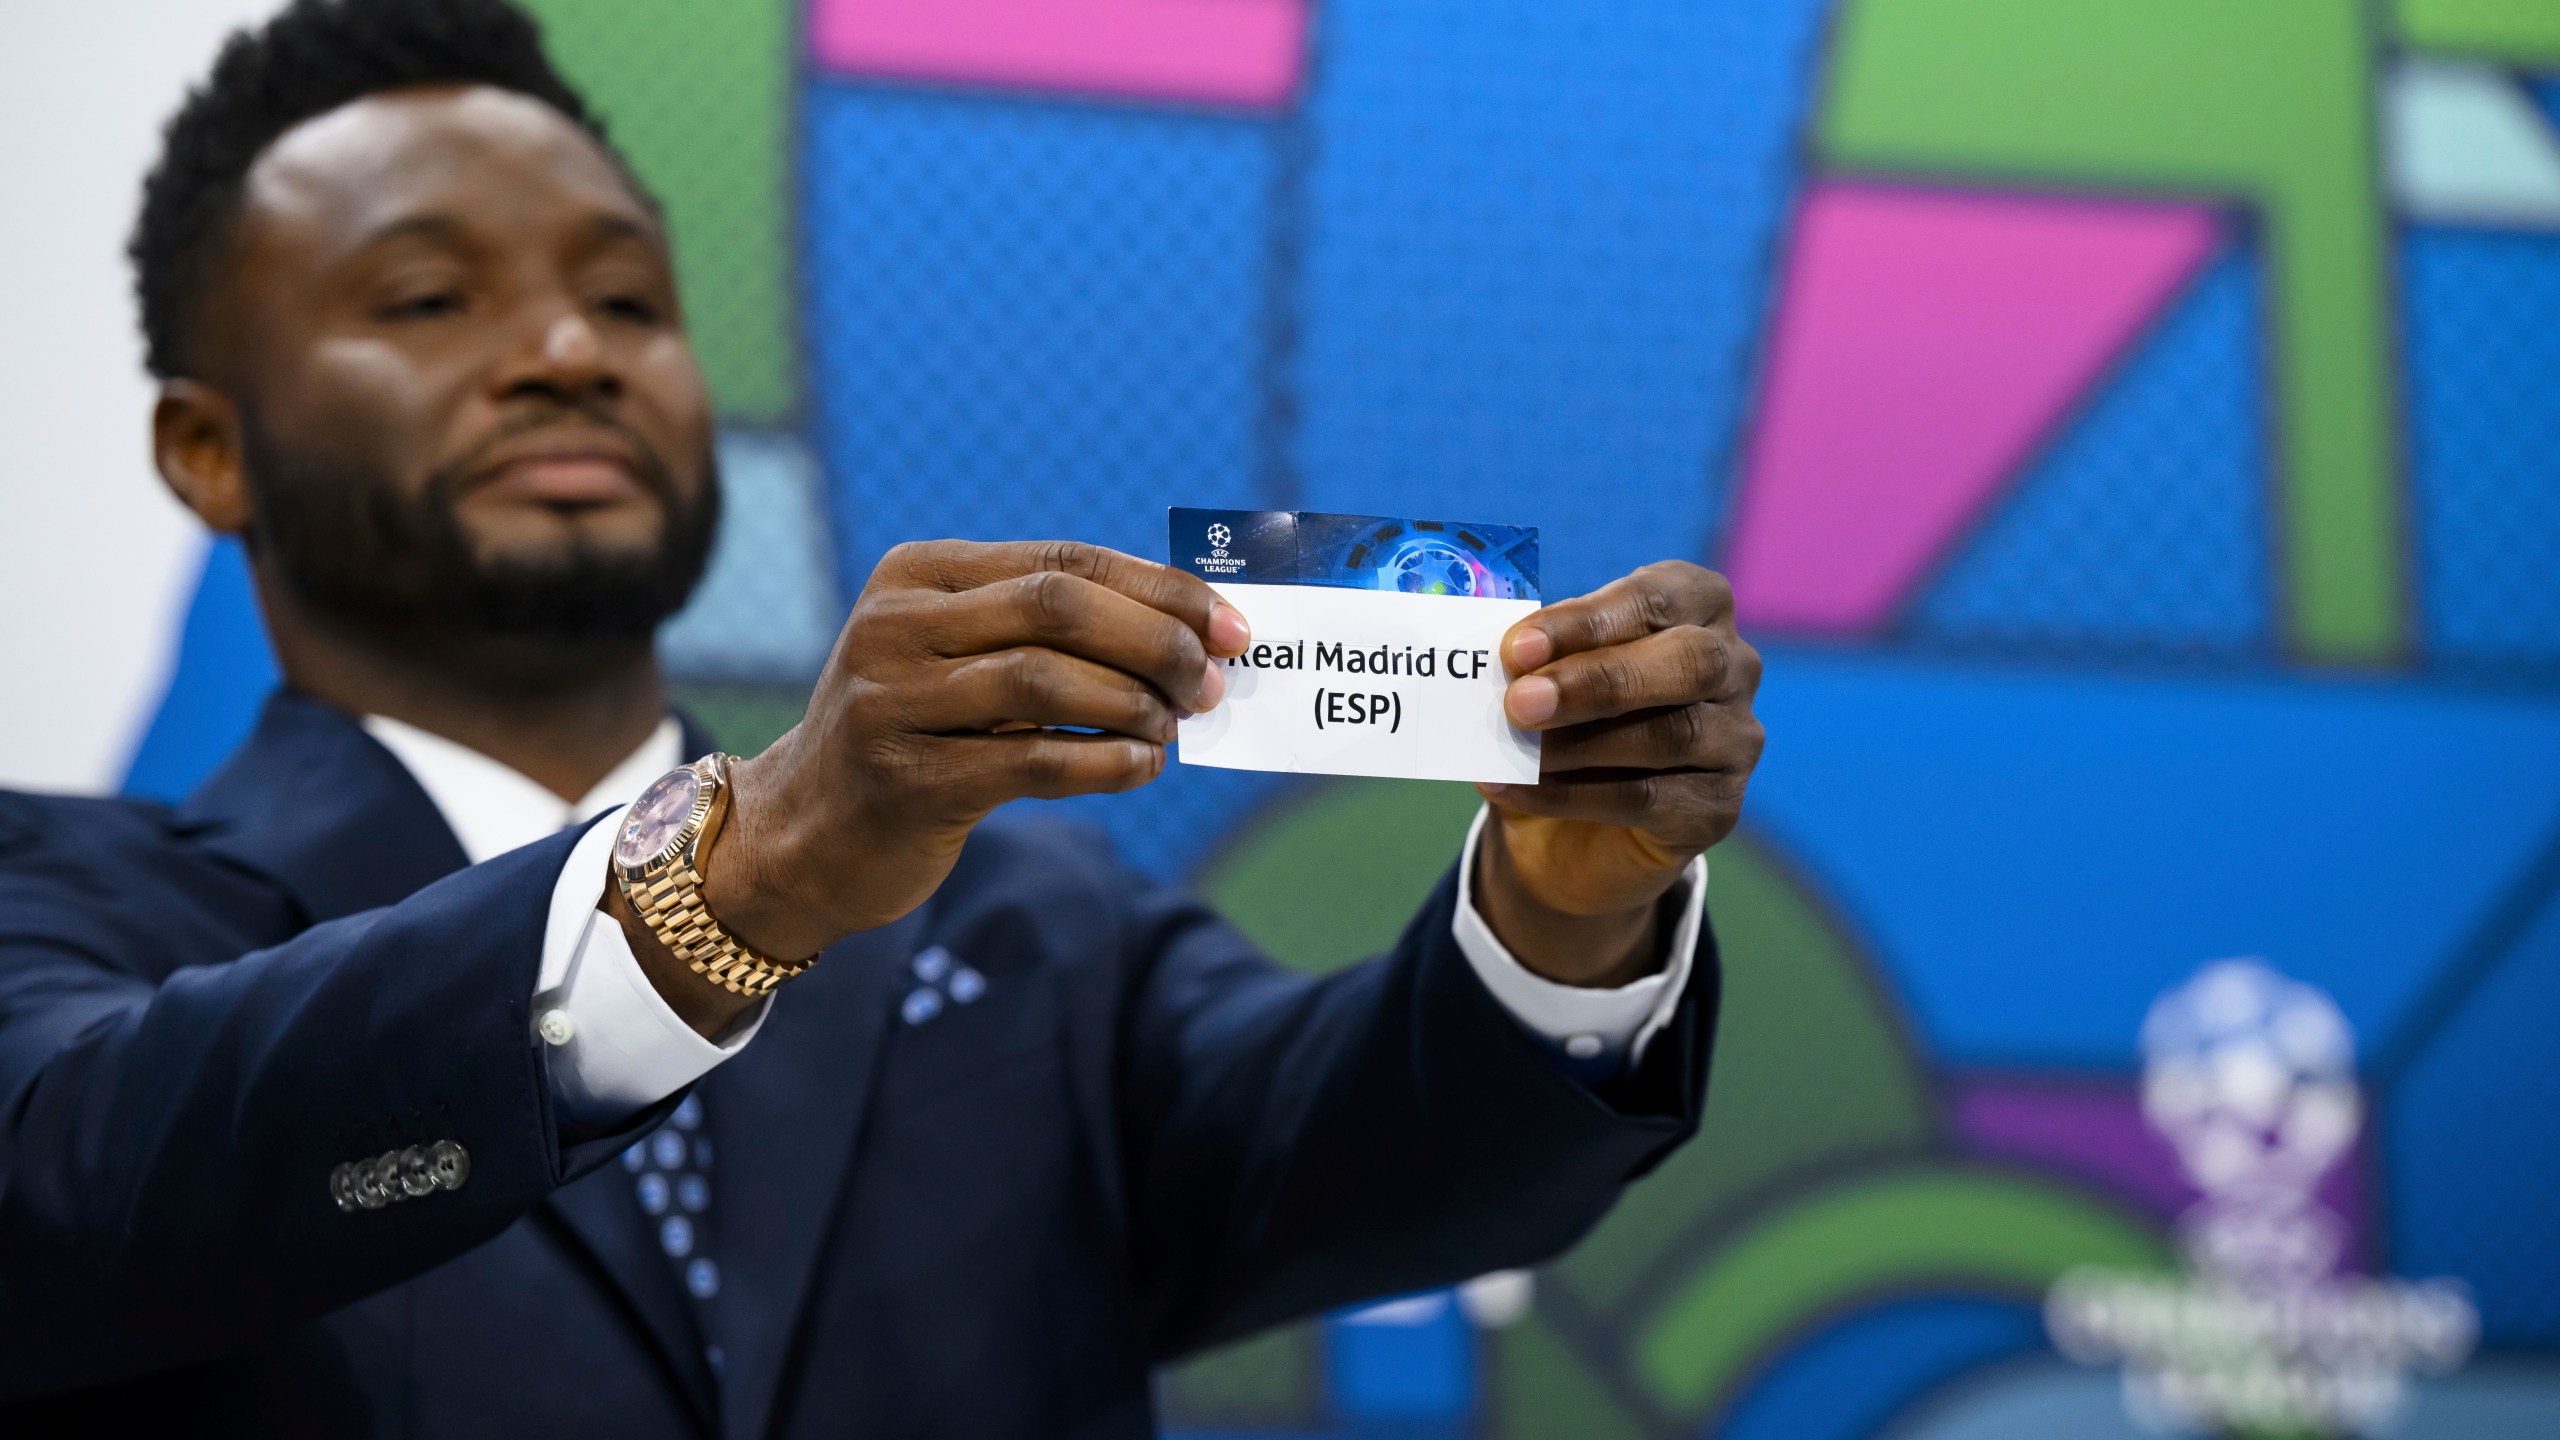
(374, 1181)
(417, 1177)
(450, 1162)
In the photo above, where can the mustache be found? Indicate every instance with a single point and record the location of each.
(446, 482)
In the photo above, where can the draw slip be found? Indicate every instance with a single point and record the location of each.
(1375, 643)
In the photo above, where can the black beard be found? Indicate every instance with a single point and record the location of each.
(354, 549)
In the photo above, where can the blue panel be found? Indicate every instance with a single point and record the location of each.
(2497, 1399)
(2031, 1400)
(2035, 857)
(1030, 321)
(1537, 242)
(2472, 1139)
(767, 609)
(1847, 1382)
(2145, 527)
(220, 678)
(1418, 1366)
(2483, 323)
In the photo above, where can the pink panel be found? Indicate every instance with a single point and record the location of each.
(1244, 53)
(1926, 343)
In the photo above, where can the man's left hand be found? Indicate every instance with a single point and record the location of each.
(1643, 693)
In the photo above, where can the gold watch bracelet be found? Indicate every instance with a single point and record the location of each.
(671, 905)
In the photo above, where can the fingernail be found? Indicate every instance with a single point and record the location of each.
(1213, 687)
(1227, 630)
(1530, 648)
(1533, 701)
(1491, 789)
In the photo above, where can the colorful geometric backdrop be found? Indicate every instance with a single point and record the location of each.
(2132, 428)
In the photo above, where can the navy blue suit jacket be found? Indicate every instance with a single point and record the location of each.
(1143, 1139)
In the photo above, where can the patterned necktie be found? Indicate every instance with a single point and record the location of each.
(671, 1170)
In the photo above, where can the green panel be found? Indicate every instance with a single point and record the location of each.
(1939, 1227)
(697, 93)
(2521, 32)
(1336, 876)
(1269, 1380)
(742, 719)
(1811, 1068)
(1542, 1392)
(2269, 104)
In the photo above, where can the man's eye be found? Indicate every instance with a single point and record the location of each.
(430, 305)
(639, 309)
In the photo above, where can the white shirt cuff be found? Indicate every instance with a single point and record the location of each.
(1586, 1024)
(616, 1047)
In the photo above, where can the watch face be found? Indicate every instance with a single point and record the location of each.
(657, 817)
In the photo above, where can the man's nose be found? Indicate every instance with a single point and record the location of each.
(559, 352)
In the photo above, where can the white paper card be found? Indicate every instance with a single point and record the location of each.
(1367, 682)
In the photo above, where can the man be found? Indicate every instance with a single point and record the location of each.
(349, 1098)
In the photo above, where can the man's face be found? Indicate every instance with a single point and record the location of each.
(466, 400)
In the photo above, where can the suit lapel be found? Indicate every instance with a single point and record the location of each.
(314, 802)
(786, 1116)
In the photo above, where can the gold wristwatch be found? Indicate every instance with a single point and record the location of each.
(658, 860)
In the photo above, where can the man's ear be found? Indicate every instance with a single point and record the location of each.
(195, 440)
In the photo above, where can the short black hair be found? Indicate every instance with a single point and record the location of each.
(311, 58)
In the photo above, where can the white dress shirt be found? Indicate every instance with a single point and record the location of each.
(618, 1048)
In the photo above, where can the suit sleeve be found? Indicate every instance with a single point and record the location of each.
(1294, 1145)
(168, 1136)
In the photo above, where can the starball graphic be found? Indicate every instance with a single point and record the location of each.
(2251, 1075)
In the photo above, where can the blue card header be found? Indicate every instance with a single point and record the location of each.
(1355, 552)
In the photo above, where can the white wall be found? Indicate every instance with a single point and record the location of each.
(95, 558)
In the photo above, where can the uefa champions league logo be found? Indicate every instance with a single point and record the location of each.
(2252, 1077)
(1219, 538)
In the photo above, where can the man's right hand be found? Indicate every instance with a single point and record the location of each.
(968, 675)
